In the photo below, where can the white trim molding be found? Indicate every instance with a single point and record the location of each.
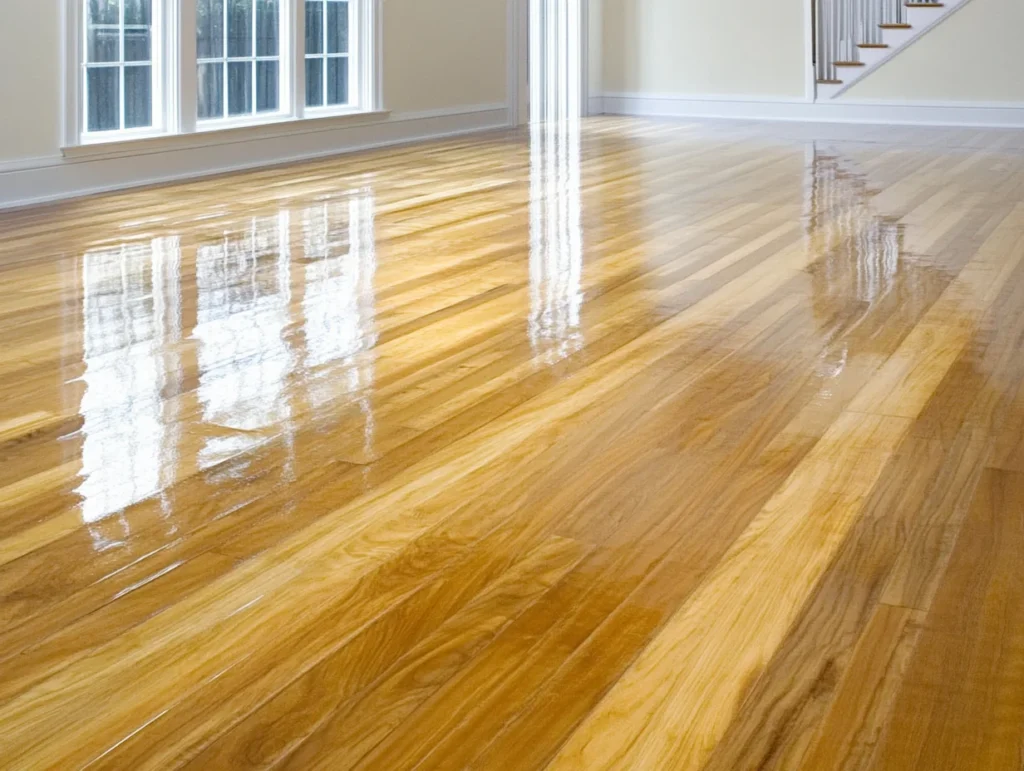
(997, 114)
(32, 181)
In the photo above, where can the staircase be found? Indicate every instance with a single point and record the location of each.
(855, 37)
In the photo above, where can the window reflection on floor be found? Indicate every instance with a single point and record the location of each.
(863, 248)
(130, 317)
(556, 240)
(244, 294)
(339, 306)
(270, 340)
(859, 253)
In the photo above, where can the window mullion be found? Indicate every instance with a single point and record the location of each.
(253, 90)
(158, 65)
(352, 62)
(121, 59)
(296, 37)
(373, 54)
(224, 63)
(324, 66)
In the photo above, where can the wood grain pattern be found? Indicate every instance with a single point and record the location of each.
(636, 445)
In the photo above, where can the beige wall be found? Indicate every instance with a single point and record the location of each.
(690, 47)
(699, 47)
(595, 42)
(974, 55)
(443, 53)
(30, 48)
(437, 54)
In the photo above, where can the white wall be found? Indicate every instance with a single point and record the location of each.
(976, 55)
(444, 72)
(704, 47)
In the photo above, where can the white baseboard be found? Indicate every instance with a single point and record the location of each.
(595, 105)
(838, 111)
(40, 180)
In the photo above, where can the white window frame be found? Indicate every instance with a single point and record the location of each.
(175, 73)
(365, 59)
(75, 129)
(285, 59)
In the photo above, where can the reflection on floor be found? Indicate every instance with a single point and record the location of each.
(622, 444)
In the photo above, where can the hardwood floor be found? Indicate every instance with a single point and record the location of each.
(651, 445)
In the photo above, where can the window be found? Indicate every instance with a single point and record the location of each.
(118, 76)
(238, 51)
(128, 73)
(327, 52)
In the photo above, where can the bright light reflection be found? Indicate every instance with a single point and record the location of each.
(244, 297)
(556, 241)
(130, 316)
(863, 249)
(339, 303)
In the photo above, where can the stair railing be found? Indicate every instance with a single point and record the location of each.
(843, 26)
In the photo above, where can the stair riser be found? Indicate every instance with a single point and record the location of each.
(827, 91)
(871, 56)
(894, 38)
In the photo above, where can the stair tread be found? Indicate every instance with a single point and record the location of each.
(872, 45)
(894, 26)
(848, 64)
(925, 5)
(830, 82)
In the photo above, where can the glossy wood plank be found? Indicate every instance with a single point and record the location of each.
(959, 701)
(634, 445)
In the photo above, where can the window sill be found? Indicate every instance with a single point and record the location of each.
(119, 137)
(222, 132)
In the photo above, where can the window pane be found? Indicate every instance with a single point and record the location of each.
(211, 91)
(210, 29)
(103, 33)
(104, 44)
(104, 12)
(314, 26)
(239, 88)
(239, 28)
(104, 107)
(138, 12)
(266, 86)
(138, 100)
(136, 44)
(337, 80)
(266, 27)
(314, 82)
(337, 27)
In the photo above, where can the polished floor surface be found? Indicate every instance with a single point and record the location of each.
(647, 445)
